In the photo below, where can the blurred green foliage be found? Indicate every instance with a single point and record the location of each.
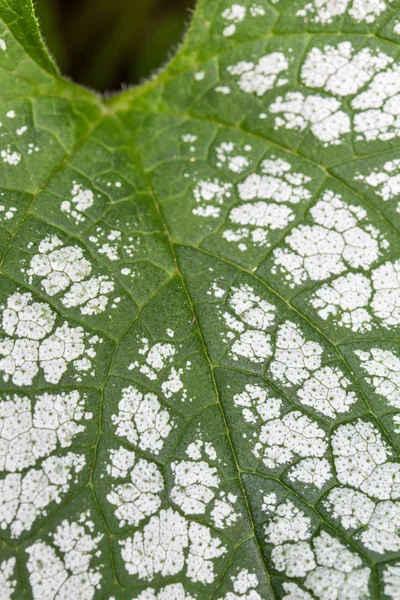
(106, 44)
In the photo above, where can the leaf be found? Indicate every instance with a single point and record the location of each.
(200, 294)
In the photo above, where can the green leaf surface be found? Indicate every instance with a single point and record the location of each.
(200, 313)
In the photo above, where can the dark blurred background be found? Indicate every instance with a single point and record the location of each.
(107, 44)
